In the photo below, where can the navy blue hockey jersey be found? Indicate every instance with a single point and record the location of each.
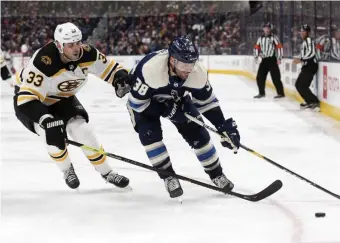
(152, 84)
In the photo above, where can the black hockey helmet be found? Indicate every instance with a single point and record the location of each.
(183, 50)
(269, 25)
(305, 27)
(334, 27)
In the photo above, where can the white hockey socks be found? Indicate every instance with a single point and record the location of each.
(82, 132)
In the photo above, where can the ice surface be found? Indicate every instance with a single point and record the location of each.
(38, 207)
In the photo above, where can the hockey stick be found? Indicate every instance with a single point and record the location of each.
(263, 157)
(271, 189)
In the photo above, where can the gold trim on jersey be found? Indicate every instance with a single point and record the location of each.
(50, 100)
(63, 94)
(81, 54)
(22, 99)
(24, 88)
(85, 64)
(17, 78)
(59, 72)
(107, 70)
(113, 73)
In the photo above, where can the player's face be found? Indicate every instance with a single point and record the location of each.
(72, 50)
(183, 70)
(266, 30)
(337, 35)
(304, 34)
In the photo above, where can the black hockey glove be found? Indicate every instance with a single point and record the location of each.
(174, 111)
(55, 132)
(122, 83)
(229, 128)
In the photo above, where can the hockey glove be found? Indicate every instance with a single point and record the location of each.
(122, 83)
(55, 132)
(229, 129)
(174, 111)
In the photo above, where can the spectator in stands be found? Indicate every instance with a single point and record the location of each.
(130, 30)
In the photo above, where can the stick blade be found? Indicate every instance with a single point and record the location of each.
(268, 191)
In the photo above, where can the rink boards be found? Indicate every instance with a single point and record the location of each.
(326, 83)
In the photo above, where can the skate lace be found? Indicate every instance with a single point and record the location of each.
(221, 181)
(69, 174)
(172, 184)
(113, 177)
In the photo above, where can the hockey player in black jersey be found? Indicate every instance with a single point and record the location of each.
(164, 82)
(46, 104)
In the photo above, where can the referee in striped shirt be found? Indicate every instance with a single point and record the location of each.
(328, 47)
(268, 47)
(309, 58)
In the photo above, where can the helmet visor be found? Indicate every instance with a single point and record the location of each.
(184, 67)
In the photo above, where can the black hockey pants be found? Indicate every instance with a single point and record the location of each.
(304, 81)
(269, 64)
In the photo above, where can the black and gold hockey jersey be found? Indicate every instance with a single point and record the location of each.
(47, 79)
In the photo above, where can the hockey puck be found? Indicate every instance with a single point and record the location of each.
(320, 215)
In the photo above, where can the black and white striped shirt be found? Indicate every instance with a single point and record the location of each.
(308, 50)
(335, 51)
(266, 46)
(328, 48)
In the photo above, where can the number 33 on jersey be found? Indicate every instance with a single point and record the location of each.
(48, 79)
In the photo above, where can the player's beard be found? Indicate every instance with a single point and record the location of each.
(183, 75)
(74, 57)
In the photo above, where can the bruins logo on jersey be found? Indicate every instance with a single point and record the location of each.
(70, 85)
(46, 59)
(86, 47)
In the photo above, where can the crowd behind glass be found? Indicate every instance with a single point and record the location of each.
(137, 28)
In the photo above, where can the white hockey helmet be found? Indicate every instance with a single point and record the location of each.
(66, 33)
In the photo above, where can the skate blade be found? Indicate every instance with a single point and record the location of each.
(180, 199)
(128, 188)
(177, 193)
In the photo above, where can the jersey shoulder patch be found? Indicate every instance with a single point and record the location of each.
(47, 60)
(197, 78)
(89, 54)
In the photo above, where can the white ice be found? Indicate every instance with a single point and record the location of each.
(38, 207)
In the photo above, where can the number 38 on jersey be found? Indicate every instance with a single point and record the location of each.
(140, 87)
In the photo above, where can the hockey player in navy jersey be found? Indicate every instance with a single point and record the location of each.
(163, 82)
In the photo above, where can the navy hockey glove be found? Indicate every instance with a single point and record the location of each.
(175, 110)
(55, 132)
(229, 128)
(122, 83)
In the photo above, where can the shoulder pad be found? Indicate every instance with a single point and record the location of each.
(89, 54)
(197, 78)
(155, 71)
(47, 60)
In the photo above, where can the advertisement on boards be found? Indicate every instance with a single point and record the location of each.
(324, 82)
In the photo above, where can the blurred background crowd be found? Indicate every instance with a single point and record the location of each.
(137, 28)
